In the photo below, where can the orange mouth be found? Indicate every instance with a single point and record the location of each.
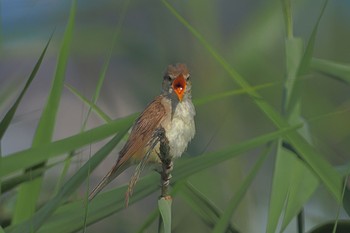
(179, 86)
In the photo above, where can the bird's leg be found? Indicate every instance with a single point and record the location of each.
(167, 163)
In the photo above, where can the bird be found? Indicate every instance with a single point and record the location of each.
(173, 111)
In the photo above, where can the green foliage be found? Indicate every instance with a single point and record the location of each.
(224, 221)
(164, 206)
(29, 192)
(299, 167)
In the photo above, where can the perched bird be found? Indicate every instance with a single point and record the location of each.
(173, 111)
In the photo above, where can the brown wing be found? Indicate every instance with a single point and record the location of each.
(142, 130)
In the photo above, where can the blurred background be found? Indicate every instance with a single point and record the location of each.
(143, 37)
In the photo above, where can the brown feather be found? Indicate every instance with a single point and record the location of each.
(137, 144)
(176, 70)
(143, 130)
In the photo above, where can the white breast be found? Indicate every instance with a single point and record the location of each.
(182, 128)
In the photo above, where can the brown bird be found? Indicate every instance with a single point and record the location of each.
(173, 111)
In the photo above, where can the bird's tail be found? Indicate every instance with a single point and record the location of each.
(113, 173)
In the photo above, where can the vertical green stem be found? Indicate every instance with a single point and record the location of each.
(288, 20)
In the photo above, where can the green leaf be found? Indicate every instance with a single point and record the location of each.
(223, 223)
(305, 63)
(70, 217)
(333, 69)
(92, 105)
(164, 205)
(186, 168)
(335, 228)
(293, 184)
(303, 184)
(29, 157)
(287, 13)
(68, 188)
(12, 182)
(210, 98)
(294, 53)
(202, 206)
(151, 218)
(329, 176)
(11, 112)
(28, 193)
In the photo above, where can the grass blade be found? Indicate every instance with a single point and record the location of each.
(164, 206)
(12, 182)
(69, 218)
(223, 223)
(203, 207)
(329, 176)
(11, 112)
(68, 188)
(293, 184)
(92, 105)
(333, 69)
(210, 98)
(9, 115)
(151, 218)
(26, 158)
(294, 54)
(305, 63)
(28, 192)
(287, 13)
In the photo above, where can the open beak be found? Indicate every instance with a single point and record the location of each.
(179, 86)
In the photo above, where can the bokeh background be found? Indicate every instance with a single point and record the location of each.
(142, 38)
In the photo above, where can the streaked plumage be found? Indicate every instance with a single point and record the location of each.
(173, 110)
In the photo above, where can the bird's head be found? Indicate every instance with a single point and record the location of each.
(176, 82)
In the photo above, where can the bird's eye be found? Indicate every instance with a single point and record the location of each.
(188, 78)
(169, 78)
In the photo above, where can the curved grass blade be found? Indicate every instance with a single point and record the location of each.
(103, 71)
(329, 176)
(29, 157)
(70, 217)
(305, 62)
(68, 188)
(224, 222)
(294, 54)
(92, 105)
(203, 207)
(11, 112)
(28, 192)
(5, 122)
(151, 218)
(185, 168)
(164, 206)
(302, 184)
(340, 205)
(333, 69)
(11, 183)
(293, 184)
(210, 98)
